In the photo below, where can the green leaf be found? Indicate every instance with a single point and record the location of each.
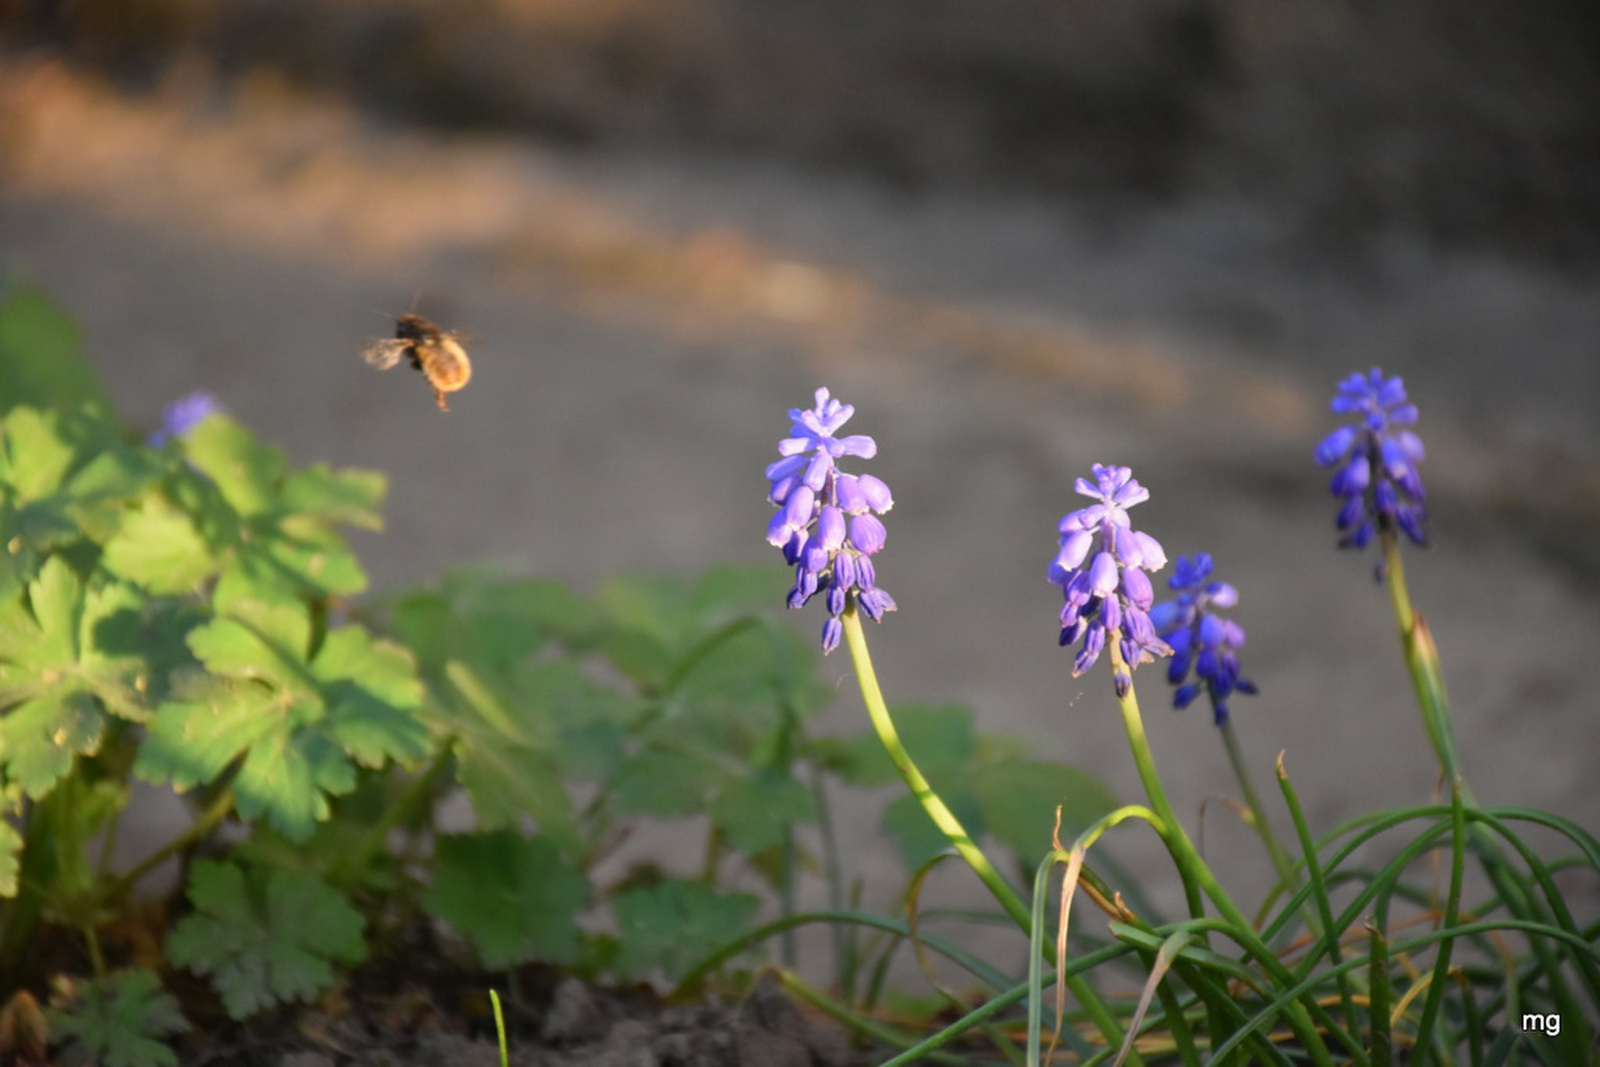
(55, 683)
(123, 1020)
(37, 456)
(265, 937)
(272, 523)
(247, 472)
(516, 898)
(506, 751)
(665, 783)
(343, 497)
(158, 547)
(674, 925)
(1019, 798)
(297, 725)
(914, 832)
(41, 356)
(40, 738)
(755, 812)
(941, 742)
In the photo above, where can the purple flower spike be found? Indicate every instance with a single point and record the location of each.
(1101, 568)
(1375, 461)
(183, 415)
(1201, 640)
(825, 521)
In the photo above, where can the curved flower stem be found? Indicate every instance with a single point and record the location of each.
(931, 802)
(945, 819)
(1184, 854)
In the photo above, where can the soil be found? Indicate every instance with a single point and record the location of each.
(551, 1021)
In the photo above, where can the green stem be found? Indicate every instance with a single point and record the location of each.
(1258, 814)
(1422, 659)
(932, 803)
(1184, 854)
(377, 838)
(1198, 880)
(198, 830)
(944, 818)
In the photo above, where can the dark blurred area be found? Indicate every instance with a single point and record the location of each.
(1471, 124)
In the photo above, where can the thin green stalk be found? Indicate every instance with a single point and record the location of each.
(377, 838)
(1184, 854)
(500, 1027)
(1198, 879)
(932, 803)
(940, 813)
(800, 990)
(1325, 930)
(844, 940)
(1452, 915)
(1422, 660)
(1378, 978)
(198, 830)
(1258, 814)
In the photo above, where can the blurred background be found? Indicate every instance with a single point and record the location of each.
(1021, 236)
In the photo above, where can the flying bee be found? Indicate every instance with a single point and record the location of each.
(436, 353)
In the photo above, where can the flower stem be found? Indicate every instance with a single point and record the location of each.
(1258, 814)
(946, 821)
(932, 803)
(1422, 659)
(1199, 881)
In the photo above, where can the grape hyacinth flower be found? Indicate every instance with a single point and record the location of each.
(1107, 590)
(1377, 461)
(1201, 639)
(183, 415)
(827, 521)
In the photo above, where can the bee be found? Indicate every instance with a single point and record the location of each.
(437, 353)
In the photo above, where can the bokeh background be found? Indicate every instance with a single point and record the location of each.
(1022, 236)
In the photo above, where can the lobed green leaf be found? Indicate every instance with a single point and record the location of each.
(266, 936)
(673, 925)
(515, 898)
(122, 1020)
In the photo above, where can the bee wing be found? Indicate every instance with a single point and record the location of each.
(384, 354)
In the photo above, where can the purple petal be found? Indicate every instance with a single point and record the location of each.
(848, 495)
(1152, 556)
(817, 470)
(867, 533)
(1353, 477)
(844, 570)
(831, 529)
(1336, 445)
(1103, 573)
(1137, 585)
(832, 631)
(1074, 549)
(879, 498)
(874, 602)
(856, 445)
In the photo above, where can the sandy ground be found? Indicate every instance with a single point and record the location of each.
(644, 320)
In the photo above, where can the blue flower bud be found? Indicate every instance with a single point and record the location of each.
(1377, 476)
(1202, 641)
